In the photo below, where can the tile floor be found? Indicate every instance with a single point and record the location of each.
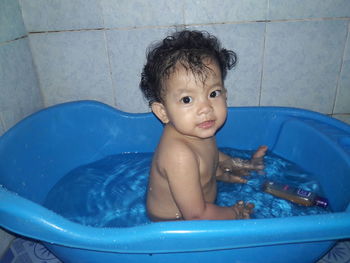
(27, 251)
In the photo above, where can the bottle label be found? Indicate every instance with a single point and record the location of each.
(303, 193)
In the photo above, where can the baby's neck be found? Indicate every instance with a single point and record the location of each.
(186, 137)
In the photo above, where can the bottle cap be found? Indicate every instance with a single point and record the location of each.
(320, 201)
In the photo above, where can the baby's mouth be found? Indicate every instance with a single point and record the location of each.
(206, 124)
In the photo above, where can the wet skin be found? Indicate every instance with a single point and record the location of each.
(187, 162)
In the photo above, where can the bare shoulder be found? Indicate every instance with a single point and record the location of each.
(176, 155)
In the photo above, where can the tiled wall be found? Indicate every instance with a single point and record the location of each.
(291, 53)
(19, 88)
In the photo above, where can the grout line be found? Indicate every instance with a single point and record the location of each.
(340, 114)
(35, 68)
(100, 29)
(2, 122)
(36, 72)
(262, 65)
(65, 30)
(190, 25)
(102, 13)
(24, 26)
(108, 58)
(341, 69)
(268, 9)
(175, 26)
(184, 13)
(22, 15)
(13, 40)
(110, 71)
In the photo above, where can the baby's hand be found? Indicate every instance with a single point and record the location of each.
(240, 167)
(242, 210)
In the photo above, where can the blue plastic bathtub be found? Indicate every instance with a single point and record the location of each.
(42, 148)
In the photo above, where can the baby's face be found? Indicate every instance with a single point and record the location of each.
(196, 107)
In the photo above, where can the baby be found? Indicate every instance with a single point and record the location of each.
(183, 82)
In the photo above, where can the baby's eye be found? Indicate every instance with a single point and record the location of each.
(186, 100)
(215, 93)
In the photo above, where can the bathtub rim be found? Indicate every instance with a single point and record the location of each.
(283, 110)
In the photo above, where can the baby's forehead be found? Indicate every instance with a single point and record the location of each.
(207, 69)
(184, 78)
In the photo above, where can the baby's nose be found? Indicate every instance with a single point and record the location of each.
(205, 107)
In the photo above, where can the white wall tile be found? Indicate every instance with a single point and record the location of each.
(342, 117)
(11, 22)
(219, 11)
(343, 96)
(301, 9)
(302, 59)
(302, 64)
(43, 15)
(247, 40)
(142, 13)
(2, 125)
(127, 51)
(72, 66)
(19, 89)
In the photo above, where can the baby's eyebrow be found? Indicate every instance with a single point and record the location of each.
(216, 84)
(209, 86)
(181, 91)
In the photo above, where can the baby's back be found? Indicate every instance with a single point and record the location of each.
(182, 173)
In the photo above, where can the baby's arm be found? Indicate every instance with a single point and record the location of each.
(182, 171)
(231, 169)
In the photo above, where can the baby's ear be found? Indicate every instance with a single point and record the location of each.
(159, 110)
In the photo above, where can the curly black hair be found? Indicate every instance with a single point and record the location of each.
(190, 49)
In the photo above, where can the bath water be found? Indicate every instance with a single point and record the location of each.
(112, 192)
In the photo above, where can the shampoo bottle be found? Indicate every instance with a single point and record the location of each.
(295, 195)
